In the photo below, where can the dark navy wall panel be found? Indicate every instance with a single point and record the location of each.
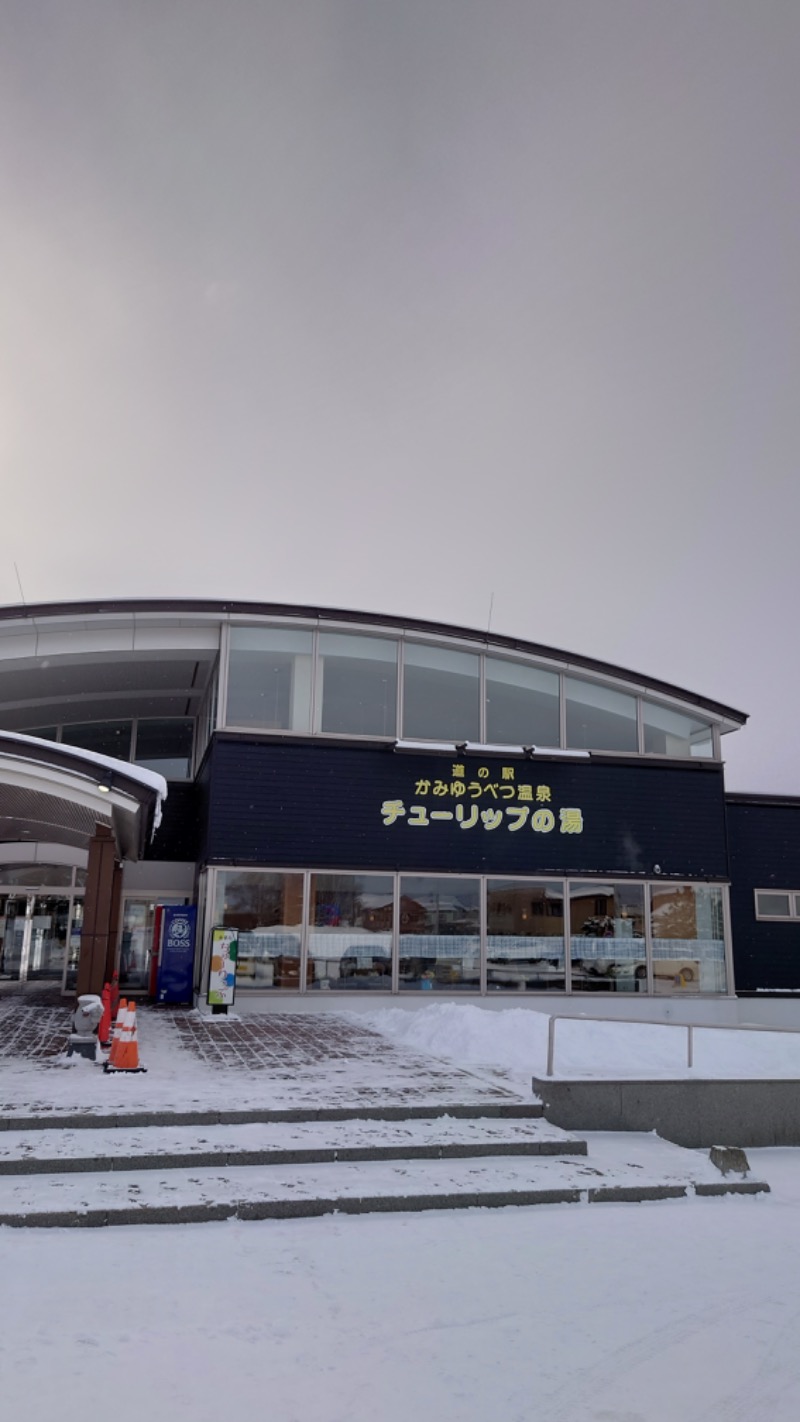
(179, 836)
(764, 844)
(320, 805)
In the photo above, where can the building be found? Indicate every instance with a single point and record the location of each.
(392, 806)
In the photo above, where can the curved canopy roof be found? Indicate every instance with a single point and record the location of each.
(59, 794)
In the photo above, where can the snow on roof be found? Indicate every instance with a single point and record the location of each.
(149, 778)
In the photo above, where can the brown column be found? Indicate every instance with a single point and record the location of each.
(100, 912)
(112, 951)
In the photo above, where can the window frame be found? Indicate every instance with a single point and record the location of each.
(563, 884)
(485, 652)
(793, 916)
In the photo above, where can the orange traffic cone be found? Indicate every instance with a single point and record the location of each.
(116, 1042)
(127, 1057)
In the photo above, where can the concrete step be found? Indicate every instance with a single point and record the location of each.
(59, 1151)
(92, 1120)
(639, 1169)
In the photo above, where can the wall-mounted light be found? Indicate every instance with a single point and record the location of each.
(483, 749)
(418, 747)
(556, 752)
(104, 789)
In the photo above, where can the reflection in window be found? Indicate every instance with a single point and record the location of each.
(608, 944)
(165, 746)
(36, 875)
(267, 909)
(441, 692)
(668, 732)
(269, 679)
(43, 733)
(350, 937)
(103, 737)
(521, 704)
(525, 935)
(599, 718)
(440, 934)
(686, 922)
(357, 685)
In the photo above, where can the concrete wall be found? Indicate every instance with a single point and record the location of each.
(690, 1113)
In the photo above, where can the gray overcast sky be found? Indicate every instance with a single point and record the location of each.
(397, 304)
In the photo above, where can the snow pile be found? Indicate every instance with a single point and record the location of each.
(515, 1041)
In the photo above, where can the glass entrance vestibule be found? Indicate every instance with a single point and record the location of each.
(320, 931)
(40, 925)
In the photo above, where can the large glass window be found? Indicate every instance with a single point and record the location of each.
(668, 732)
(267, 909)
(525, 935)
(269, 678)
(441, 694)
(22, 875)
(350, 937)
(688, 935)
(608, 942)
(357, 685)
(521, 704)
(599, 718)
(12, 934)
(103, 737)
(165, 746)
(440, 934)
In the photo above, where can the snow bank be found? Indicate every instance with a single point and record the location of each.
(515, 1041)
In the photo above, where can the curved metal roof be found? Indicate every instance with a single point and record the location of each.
(53, 792)
(194, 607)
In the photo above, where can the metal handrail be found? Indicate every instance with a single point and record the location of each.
(689, 1027)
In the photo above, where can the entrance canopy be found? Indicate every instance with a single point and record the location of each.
(56, 793)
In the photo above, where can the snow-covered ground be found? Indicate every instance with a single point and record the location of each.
(515, 1041)
(179, 1080)
(487, 1052)
(684, 1312)
(611, 1313)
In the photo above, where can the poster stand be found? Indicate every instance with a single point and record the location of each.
(222, 969)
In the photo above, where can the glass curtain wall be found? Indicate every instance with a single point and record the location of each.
(343, 925)
(350, 932)
(441, 694)
(39, 926)
(522, 704)
(524, 935)
(269, 678)
(688, 934)
(275, 677)
(356, 685)
(267, 909)
(103, 737)
(668, 732)
(13, 909)
(156, 743)
(165, 746)
(609, 952)
(599, 718)
(440, 925)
